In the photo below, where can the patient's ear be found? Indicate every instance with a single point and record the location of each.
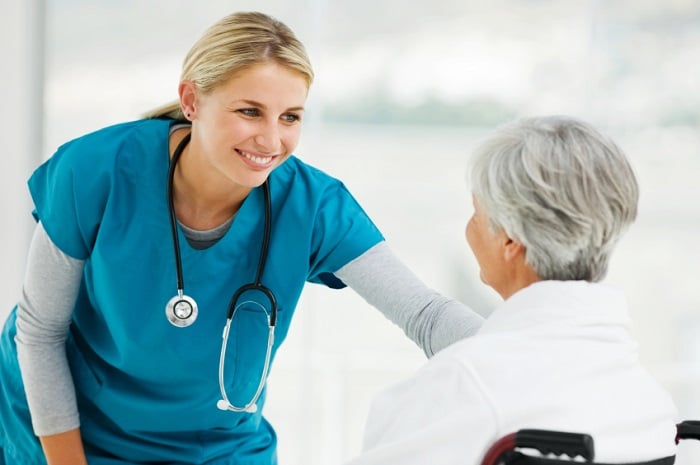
(513, 250)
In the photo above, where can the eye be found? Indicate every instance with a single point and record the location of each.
(250, 112)
(291, 117)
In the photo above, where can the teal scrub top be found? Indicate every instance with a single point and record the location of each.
(147, 390)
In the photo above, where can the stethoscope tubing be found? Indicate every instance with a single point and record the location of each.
(250, 407)
(171, 210)
(224, 403)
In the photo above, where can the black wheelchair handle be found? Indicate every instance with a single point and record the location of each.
(556, 442)
(688, 429)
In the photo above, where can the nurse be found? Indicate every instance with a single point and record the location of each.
(146, 229)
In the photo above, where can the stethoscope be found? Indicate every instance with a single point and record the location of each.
(182, 309)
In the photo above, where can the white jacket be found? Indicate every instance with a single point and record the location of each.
(555, 355)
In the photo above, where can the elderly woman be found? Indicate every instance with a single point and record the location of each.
(551, 198)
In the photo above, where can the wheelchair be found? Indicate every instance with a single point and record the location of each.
(567, 448)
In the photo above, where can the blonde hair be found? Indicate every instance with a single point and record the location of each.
(232, 45)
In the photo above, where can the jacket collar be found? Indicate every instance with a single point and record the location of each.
(555, 305)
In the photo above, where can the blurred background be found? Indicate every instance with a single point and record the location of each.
(404, 91)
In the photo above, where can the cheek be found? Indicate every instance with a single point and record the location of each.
(290, 136)
(469, 232)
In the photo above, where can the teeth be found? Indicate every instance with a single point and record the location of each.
(258, 160)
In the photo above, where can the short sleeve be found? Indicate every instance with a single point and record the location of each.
(70, 191)
(342, 232)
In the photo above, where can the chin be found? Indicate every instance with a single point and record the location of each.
(253, 181)
(254, 184)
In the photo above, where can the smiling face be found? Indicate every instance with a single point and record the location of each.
(248, 126)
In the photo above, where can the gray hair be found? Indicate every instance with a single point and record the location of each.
(559, 187)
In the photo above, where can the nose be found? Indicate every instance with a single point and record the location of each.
(268, 138)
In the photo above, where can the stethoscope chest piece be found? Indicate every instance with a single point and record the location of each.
(181, 310)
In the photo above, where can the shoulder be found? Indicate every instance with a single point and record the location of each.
(456, 394)
(482, 357)
(294, 171)
(317, 189)
(109, 139)
(104, 148)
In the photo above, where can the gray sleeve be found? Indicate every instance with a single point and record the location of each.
(430, 319)
(44, 314)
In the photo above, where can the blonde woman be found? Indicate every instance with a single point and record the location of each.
(154, 235)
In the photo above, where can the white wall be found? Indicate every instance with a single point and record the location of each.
(21, 120)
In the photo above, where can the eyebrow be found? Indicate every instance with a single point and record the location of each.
(263, 106)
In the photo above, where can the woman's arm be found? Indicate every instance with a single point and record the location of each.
(51, 284)
(430, 319)
(64, 448)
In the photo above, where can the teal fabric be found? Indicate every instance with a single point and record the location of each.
(147, 390)
(17, 441)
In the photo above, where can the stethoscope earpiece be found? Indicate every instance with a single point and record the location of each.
(182, 310)
(221, 404)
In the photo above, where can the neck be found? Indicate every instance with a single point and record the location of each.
(202, 199)
(521, 276)
(517, 275)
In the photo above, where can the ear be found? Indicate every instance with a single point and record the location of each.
(188, 97)
(512, 249)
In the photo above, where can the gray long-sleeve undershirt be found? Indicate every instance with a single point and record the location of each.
(53, 279)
